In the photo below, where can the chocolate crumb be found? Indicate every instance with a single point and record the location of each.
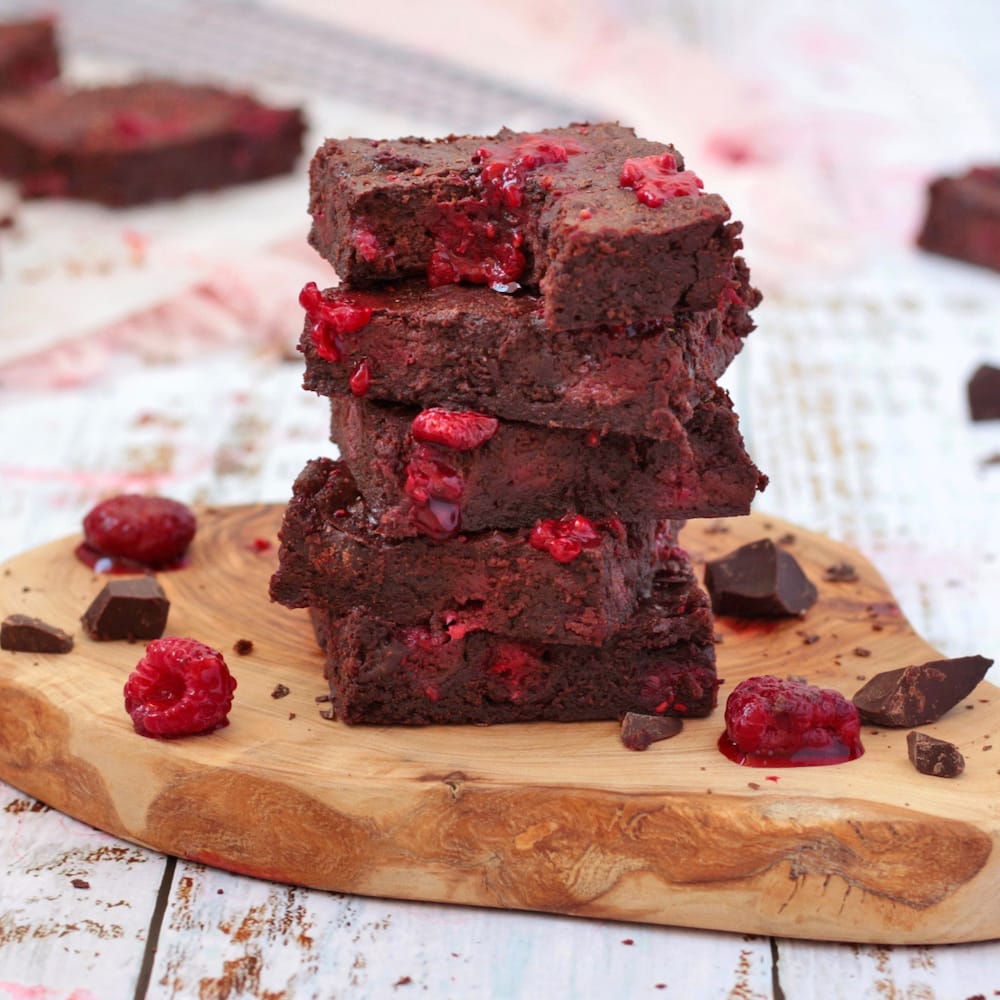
(242, 647)
(402, 981)
(862, 651)
(24, 634)
(79, 883)
(840, 573)
(291, 715)
(787, 539)
(930, 755)
(987, 746)
(753, 785)
(328, 713)
(808, 638)
(639, 731)
(919, 694)
(984, 393)
(877, 626)
(280, 691)
(628, 941)
(320, 698)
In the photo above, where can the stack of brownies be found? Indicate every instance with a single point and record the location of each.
(521, 361)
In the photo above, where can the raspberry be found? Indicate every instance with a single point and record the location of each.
(180, 687)
(150, 531)
(774, 721)
(656, 178)
(566, 537)
(331, 320)
(462, 430)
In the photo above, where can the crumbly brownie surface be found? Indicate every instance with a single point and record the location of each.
(138, 142)
(517, 582)
(544, 210)
(462, 347)
(28, 54)
(661, 661)
(963, 217)
(524, 472)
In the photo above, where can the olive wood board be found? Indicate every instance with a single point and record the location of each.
(541, 816)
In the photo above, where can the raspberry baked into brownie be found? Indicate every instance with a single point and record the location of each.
(521, 362)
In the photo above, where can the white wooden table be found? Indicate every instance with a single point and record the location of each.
(851, 394)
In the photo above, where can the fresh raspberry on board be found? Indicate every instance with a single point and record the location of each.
(150, 530)
(180, 687)
(770, 720)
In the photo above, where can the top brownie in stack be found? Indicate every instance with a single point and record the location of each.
(566, 213)
(28, 53)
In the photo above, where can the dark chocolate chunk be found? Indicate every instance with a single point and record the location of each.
(24, 634)
(639, 731)
(919, 694)
(134, 608)
(840, 573)
(984, 393)
(929, 755)
(758, 580)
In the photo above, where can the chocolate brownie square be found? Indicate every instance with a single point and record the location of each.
(661, 661)
(29, 55)
(963, 217)
(568, 580)
(459, 347)
(138, 142)
(515, 474)
(610, 228)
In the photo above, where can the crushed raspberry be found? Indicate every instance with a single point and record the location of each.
(516, 672)
(368, 245)
(435, 490)
(479, 239)
(461, 430)
(566, 537)
(361, 378)
(773, 722)
(130, 531)
(654, 179)
(180, 687)
(332, 320)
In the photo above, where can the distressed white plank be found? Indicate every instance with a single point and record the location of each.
(850, 972)
(228, 936)
(75, 905)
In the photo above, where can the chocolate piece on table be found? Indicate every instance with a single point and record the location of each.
(133, 608)
(758, 580)
(22, 633)
(984, 393)
(963, 217)
(639, 731)
(929, 755)
(919, 694)
(126, 144)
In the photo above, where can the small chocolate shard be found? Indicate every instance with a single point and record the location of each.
(24, 634)
(243, 647)
(133, 608)
(840, 573)
(758, 580)
(639, 731)
(984, 393)
(929, 755)
(919, 694)
(280, 691)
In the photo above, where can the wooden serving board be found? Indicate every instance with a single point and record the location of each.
(541, 816)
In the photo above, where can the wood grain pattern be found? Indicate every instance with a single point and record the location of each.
(550, 817)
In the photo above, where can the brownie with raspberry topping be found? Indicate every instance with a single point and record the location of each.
(29, 54)
(963, 217)
(462, 347)
(446, 670)
(569, 578)
(126, 144)
(522, 472)
(608, 227)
